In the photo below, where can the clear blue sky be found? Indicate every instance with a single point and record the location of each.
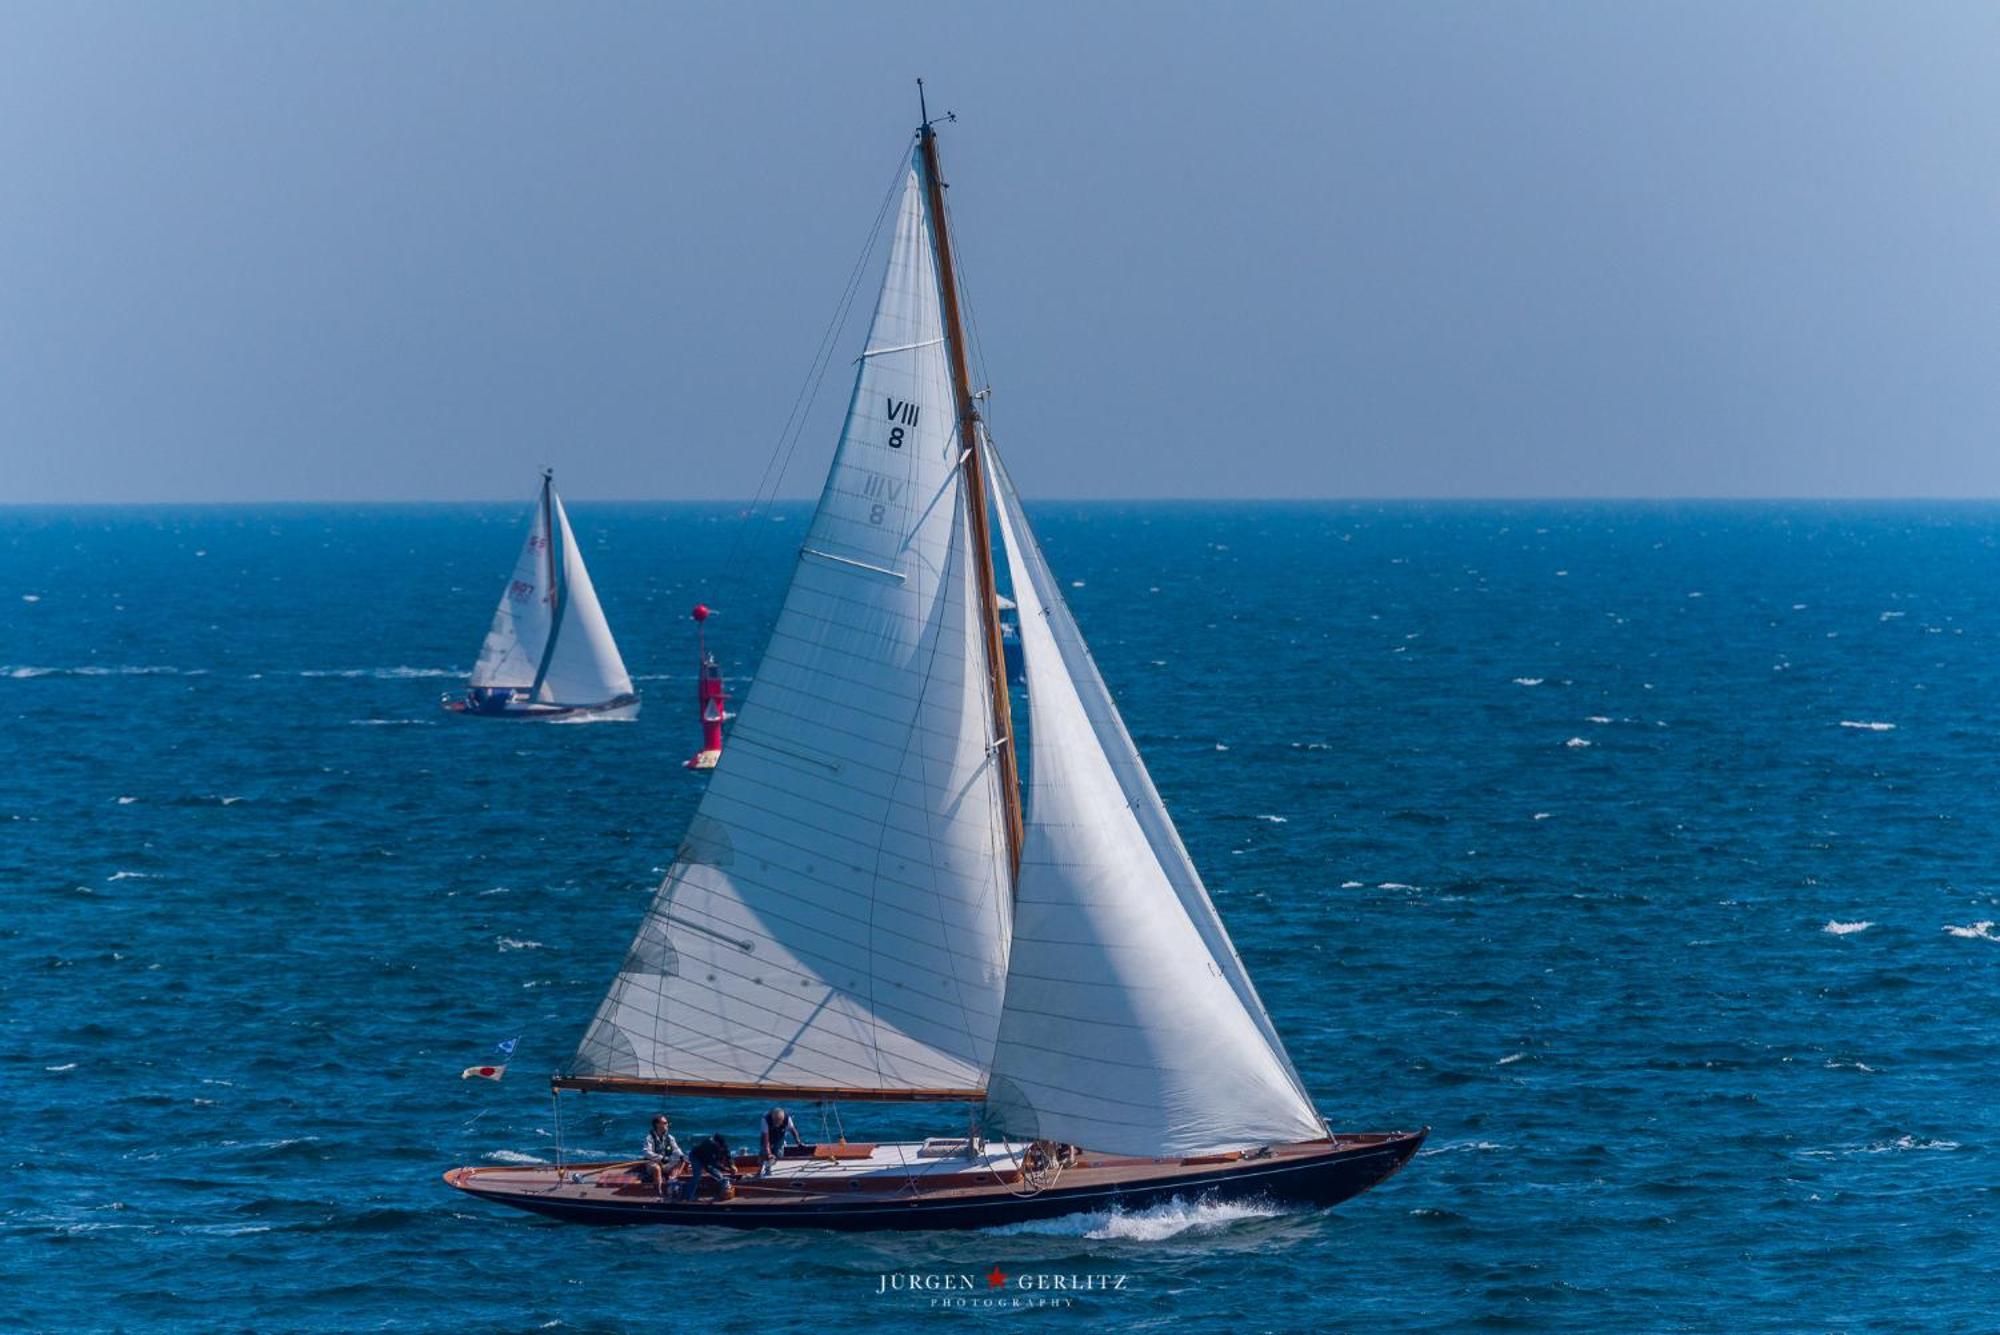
(403, 251)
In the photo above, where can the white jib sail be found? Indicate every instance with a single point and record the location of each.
(1130, 1026)
(511, 655)
(837, 916)
(584, 667)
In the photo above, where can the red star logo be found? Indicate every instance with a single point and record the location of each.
(995, 1278)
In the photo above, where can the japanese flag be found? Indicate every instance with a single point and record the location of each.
(483, 1072)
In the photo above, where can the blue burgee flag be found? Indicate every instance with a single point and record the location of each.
(506, 1049)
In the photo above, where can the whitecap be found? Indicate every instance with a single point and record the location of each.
(509, 943)
(1541, 815)
(1155, 1223)
(1597, 718)
(1276, 820)
(512, 1156)
(1351, 885)
(1838, 928)
(398, 673)
(1529, 681)
(1867, 727)
(1575, 742)
(129, 875)
(1395, 885)
(1907, 1142)
(1456, 1146)
(1220, 747)
(31, 597)
(126, 801)
(66, 1066)
(1511, 1058)
(1981, 931)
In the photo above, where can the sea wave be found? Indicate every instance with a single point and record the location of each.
(512, 1156)
(99, 670)
(1838, 928)
(1155, 1223)
(1981, 930)
(1907, 1142)
(384, 673)
(1867, 727)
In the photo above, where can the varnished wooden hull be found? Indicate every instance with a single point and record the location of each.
(1320, 1173)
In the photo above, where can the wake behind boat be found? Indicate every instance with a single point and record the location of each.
(549, 653)
(864, 908)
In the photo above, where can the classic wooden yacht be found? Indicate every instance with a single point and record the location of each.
(549, 652)
(864, 907)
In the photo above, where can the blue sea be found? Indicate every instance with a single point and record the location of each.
(1643, 852)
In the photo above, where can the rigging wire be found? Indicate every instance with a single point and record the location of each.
(786, 446)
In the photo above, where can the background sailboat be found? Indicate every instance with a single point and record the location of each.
(549, 653)
(862, 909)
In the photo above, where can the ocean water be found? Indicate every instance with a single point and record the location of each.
(1645, 853)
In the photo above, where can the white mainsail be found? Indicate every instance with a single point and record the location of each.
(549, 635)
(837, 917)
(584, 666)
(1130, 1025)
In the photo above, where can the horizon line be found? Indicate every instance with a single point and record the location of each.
(748, 503)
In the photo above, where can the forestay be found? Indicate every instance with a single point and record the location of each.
(512, 653)
(837, 916)
(1130, 1025)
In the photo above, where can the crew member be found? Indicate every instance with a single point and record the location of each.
(777, 1125)
(711, 1159)
(662, 1154)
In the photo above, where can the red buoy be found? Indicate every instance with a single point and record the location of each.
(710, 697)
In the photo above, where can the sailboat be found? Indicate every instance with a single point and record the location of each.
(549, 653)
(865, 909)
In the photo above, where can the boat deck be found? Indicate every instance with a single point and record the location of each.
(936, 1173)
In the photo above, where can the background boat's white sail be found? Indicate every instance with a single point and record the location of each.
(549, 635)
(837, 917)
(512, 652)
(584, 667)
(1130, 1025)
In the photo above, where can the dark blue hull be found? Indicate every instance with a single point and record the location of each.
(1322, 1179)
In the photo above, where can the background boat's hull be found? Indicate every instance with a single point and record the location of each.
(624, 708)
(1320, 1179)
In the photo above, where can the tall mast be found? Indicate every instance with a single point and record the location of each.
(969, 435)
(558, 598)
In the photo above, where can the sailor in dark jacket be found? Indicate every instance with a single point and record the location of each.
(778, 1124)
(711, 1159)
